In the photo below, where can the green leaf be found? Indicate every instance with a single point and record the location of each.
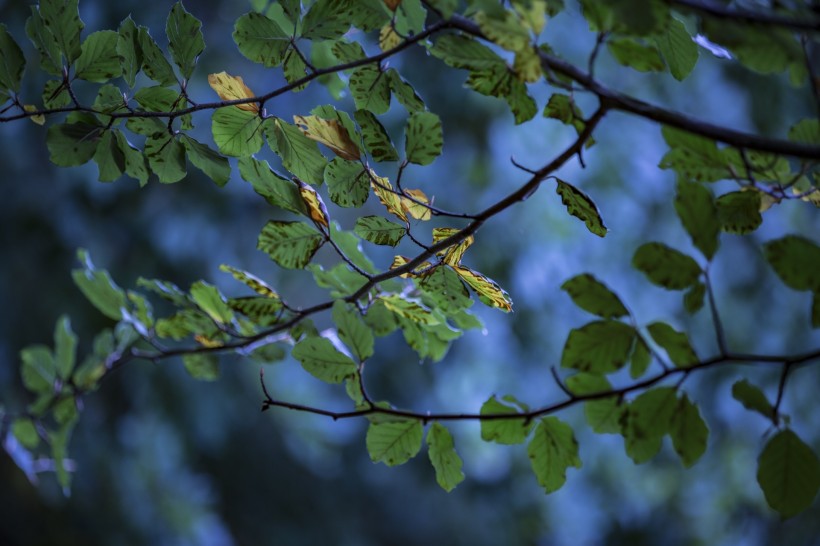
(676, 344)
(321, 360)
(379, 231)
(678, 48)
(59, 449)
(71, 144)
(603, 415)
(352, 330)
(351, 246)
(261, 39)
(300, 155)
(688, 432)
(739, 211)
(45, 43)
(99, 61)
(328, 19)
(166, 156)
(12, 62)
(788, 473)
(202, 366)
(276, 190)
(237, 132)
(65, 348)
(290, 244)
(185, 39)
(129, 50)
(796, 260)
(340, 279)
(504, 431)
(263, 311)
(207, 160)
(394, 443)
(208, 298)
(581, 206)
(157, 98)
(665, 266)
(375, 137)
(99, 288)
(599, 347)
(694, 157)
(295, 69)
(109, 157)
(154, 63)
(348, 182)
(648, 420)
(806, 131)
(62, 18)
(25, 432)
(641, 358)
(39, 371)
(631, 53)
(462, 52)
(591, 295)
(424, 138)
(370, 88)
(752, 398)
(409, 309)
(698, 213)
(185, 323)
(563, 108)
(404, 92)
(380, 319)
(505, 31)
(521, 104)
(693, 298)
(552, 450)
(446, 289)
(136, 165)
(443, 456)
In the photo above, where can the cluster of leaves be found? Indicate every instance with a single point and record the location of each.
(330, 157)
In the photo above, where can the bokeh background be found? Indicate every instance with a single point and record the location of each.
(163, 459)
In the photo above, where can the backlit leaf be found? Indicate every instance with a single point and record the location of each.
(13, 62)
(739, 211)
(237, 132)
(315, 206)
(698, 213)
(424, 138)
(99, 288)
(154, 63)
(443, 456)
(688, 432)
(166, 156)
(375, 137)
(796, 260)
(487, 289)
(45, 43)
(129, 51)
(648, 419)
(552, 450)
(62, 18)
(185, 39)
(331, 133)
(463, 52)
(321, 360)
(404, 92)
(599, 347)
(251, 281)
(581, 206)
(504, 431)
(328, 19)
(212, 302)
(591, 295)
(261, 39)
(380, 231)
(300, 155)
(38, 371)
(207, 160)
(394, 442)
(676, 344)
(409, 309)
(276, 190)
(353, 331)
(641, 358)
(788, 473)
(631, 53)
(752, 398)
(204, 367)
(415, 203)
(347, 182)
(370, 89)
(290, 244)
(678, 48)
(71, 144)
(665, 266)
(387, 195)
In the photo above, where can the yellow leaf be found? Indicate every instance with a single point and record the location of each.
(39, 119)
(812, 196)
(232, 88)
(392, 4)
(316, 207)
(488, 291)
(207, 342)
(527, 65)
(415, 208)
(331, 133)
(452, 254)
(384, 191)
(399, 261)
(388, 37)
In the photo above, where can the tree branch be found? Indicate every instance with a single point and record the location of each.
(749, 16)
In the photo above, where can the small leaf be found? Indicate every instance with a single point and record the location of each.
(215, 166)
(752, 398)
(424, 138)
(129, 51)
(693, 298)
(154, 63)
(552, 450)
(603, 415)
(462, 52)
(796, 260)
(99, 61)
(72, 144)
(676, 344)
(185, 39)
(487, 289)
(641, 358)
(329, 132)
(404, 92)
(353, 331)
(416, 204)
(408, 309)
(38, 371)
(375, 137)
(328, 19)
(209, 299)
(109, 157)
(233, 88)
(321, 360)
(13, 62)
(370, 89)
(166, 156)
(394, 443)
(631, 53)
(591, 295)
(504, 431)
(788, 473)
(237, 132)
(678, 48)
(443, 456)
(251, 281)
(688, 432)
(300, 155)
(317, 211)
(62, 18)
(347, 182)
(380, 231)
(648, 420)
(581, 206)
(739, 211)
(261, 39)
(25, 432)
(276, 190)
(65, 348)
(599, 347)
(665, 266)
(387, 195)
(202, 366)
(45, 43)
(446, 289)
(698, 213)
(290, 244)
(99, 288)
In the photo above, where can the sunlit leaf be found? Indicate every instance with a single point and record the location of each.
(232, 88)
(488, 290)
(317, 211)
(331, 133)
(380, 231)
(676, 344)
(261, 39)
(290, 244)
(443, 456)
(185, 39)
(504, 431)
(237, 132)
(552, 450)
(409, 309)
(321, 360)
(353, 331)
(394, 442)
